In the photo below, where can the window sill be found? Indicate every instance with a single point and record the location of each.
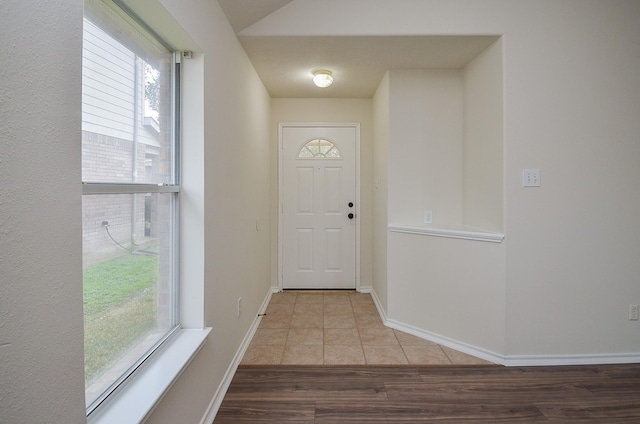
(137, 397)
(459, 233)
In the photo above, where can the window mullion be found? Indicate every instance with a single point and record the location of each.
(108, 188)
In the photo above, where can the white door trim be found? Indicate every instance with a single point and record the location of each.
(282, 125)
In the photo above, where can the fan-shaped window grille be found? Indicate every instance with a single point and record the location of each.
(319, 148)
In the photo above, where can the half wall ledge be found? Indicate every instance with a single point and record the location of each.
(462, 232)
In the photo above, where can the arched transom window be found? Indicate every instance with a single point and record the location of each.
(319, 148)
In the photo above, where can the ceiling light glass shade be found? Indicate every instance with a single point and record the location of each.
(322, 78)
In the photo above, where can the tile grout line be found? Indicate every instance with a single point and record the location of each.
(298, 355)
(402, 348)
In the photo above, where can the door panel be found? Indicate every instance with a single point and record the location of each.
(333, 198)
(318, 237)
(305, 249)
(305, 190)
(334, 249)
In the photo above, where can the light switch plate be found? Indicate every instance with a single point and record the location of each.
(530, 178)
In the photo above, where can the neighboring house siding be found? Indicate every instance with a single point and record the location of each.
(109, 68)
(115, 134)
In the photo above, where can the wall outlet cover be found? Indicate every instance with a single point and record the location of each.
(428, 217)
(633, 312)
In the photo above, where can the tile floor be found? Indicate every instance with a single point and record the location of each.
(338, 328)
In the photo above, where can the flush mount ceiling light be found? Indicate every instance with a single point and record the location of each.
(322, 78)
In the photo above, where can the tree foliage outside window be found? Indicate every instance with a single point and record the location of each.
(151, 91)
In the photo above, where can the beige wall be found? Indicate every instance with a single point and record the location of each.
(236, 202)
(439, 152)
(425, 146)
(381, 114)
(41, 335)
(571, 106)
(446, 144)
(571, 100)
(327, 111)
(449, 290)
(483, 157)
(445, 155)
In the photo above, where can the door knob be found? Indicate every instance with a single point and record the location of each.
(350, 216)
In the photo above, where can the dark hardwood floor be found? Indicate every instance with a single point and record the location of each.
(417, 394)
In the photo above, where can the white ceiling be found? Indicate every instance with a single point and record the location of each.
(286, 64)
(244, 13)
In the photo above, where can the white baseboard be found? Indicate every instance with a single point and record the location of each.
(598, 359)
(364, 289)
(507, 360)
(376, 301)
(445, 341)
(436, 338)
(215, 403)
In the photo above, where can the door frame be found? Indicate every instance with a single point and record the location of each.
(281, 126)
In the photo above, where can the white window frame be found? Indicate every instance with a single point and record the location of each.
(167, 357)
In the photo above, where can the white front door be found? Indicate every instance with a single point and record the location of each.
(318, 206)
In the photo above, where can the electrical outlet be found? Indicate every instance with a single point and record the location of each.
(530, 178)
(428, 217)
(633, 312)
(239, 306)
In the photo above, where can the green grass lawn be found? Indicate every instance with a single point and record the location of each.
(119, 308)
